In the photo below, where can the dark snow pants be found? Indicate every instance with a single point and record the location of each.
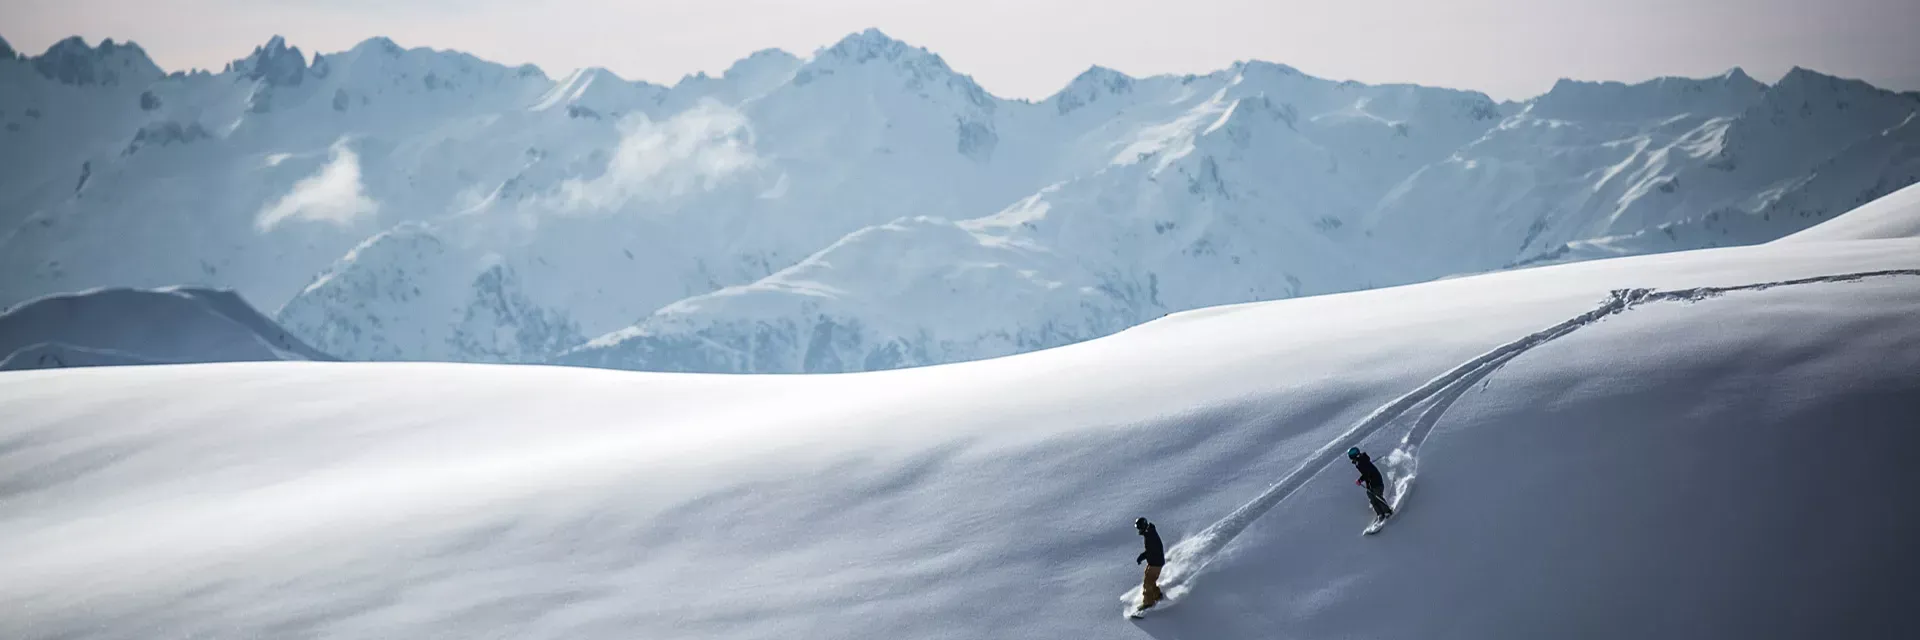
(1374, 494)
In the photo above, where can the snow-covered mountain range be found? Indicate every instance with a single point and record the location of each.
(866, 206)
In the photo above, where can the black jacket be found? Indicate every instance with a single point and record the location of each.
(1369, 474)
(1156, 553)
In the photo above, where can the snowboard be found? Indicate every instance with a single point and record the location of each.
(1169, 594)
(1379, 522)
(1137, 613)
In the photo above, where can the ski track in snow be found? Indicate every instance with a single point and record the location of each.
(1190, 557)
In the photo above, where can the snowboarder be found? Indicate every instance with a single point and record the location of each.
(1155, 556)
(1370, 478)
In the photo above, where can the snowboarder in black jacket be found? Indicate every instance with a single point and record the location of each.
(1155, 556)
(1370, 478)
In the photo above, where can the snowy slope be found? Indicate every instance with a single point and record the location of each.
(134, 326)
(581, 214)
(1609, 449)
(1894, 216)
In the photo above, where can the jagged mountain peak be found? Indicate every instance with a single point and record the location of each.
(1803, 74)
(866, 52)
(872, 44)
(1806, 93)
(1809, 110)
(1721, 95)
(1280, 79)
(1735, 79)
(1567, 87)
(72, 61)
(74, 45)
(1103, 79)
(1090, 86)
(1275, 76)
(1801, 80)
(274, 62)
(1102, 75)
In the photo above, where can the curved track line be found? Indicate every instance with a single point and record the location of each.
(1191, 556)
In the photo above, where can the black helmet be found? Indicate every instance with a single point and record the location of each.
(1141, 523)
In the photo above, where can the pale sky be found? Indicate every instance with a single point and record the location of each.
(1511, 49)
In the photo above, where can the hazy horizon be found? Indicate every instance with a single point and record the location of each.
(1506, 48)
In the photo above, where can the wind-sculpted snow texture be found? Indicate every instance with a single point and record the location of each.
(411, 204)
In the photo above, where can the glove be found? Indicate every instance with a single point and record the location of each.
(1141, 558)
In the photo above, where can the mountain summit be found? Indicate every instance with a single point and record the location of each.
(274, 63)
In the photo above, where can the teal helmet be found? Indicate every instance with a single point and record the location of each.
(1353, 452)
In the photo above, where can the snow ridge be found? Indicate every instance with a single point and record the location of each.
(1894, 216)
(1187, 559)
(119, 326)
